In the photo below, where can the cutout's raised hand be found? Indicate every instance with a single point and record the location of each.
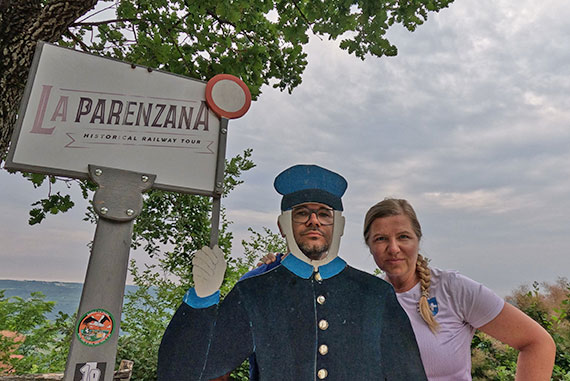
(209, 267)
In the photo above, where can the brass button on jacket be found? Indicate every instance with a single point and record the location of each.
(318, 277)
(322, 374)
(323, 349)
(321, 299)
(323, 324)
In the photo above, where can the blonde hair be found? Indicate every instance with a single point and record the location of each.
(424, 274)
(395, 207)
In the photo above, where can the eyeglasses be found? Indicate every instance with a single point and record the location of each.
(303, 214)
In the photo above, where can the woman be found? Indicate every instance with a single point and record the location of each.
(445, 307)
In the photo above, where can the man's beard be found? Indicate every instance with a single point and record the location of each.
(314, 252)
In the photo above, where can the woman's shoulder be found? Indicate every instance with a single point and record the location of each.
(449, 277)
(443, 277)
(460, 287)
(453, 283)
(476, 303)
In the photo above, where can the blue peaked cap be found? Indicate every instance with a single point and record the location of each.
(310, 183)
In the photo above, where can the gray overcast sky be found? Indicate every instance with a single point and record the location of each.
(469, 123)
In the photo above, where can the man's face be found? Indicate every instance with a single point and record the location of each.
(313, 236)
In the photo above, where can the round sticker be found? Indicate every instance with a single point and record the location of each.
(228, 96)
(95, 327)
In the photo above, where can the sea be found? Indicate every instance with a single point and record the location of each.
(66, 295)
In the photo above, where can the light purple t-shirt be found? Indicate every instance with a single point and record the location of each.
(461, 305)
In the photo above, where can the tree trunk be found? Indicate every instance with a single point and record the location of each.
(22, 25)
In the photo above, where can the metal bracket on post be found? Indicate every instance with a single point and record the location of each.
(117, 201)
(219, 186)
(119, 196)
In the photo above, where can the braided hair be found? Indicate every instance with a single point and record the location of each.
(395, 207)
(424, 274)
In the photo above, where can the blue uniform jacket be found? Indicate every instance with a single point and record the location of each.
(336, 324)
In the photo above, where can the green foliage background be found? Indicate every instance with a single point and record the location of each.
(46, 343)
(549, 305)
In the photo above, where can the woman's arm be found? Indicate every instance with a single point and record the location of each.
(537, 349)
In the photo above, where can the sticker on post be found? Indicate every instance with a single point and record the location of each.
(90, 371)
(227, 96)
(95, 327)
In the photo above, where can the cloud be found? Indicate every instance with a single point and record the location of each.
(487, 201)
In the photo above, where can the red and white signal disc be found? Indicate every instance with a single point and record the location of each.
(228, 96)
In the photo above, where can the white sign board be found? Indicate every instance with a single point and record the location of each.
(81, 109)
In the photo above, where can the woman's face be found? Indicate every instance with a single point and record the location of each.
(394, 245)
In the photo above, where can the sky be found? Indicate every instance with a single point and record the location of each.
(470, 123)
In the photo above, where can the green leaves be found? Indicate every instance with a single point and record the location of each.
(172, 226)
(260, 41)
(548, 304)
(53, 204)
(20, 315)
(146, 313)
(260, 244)
(234, 169)
(40, 345)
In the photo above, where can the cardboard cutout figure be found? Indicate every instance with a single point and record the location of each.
(312, 317)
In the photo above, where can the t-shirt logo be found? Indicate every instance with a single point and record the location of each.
(433, 305)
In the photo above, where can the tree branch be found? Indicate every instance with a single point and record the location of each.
(309, 24)
(220, 20)
(77, 41)
(97, 23)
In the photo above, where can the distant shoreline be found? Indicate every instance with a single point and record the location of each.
(66, 295)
